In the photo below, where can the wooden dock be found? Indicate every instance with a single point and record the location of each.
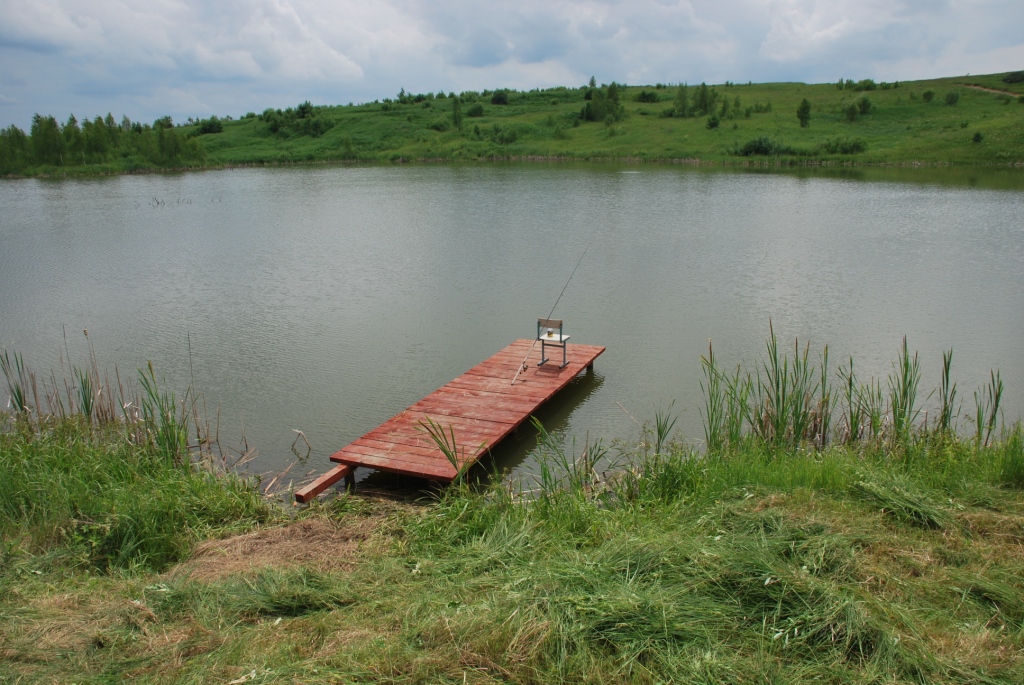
(482, 406)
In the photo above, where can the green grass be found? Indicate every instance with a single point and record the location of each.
(116, 504)
(784, 553)
(900, 129)
(848, 565)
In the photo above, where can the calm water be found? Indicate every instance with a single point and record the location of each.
(327, 300)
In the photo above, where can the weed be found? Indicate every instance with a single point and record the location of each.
(903, 392)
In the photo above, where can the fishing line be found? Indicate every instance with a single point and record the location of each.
(524, 365)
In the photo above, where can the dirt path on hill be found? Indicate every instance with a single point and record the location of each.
(989, 90)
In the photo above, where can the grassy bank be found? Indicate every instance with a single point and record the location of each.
(974, 120)
(828, 532)
(887, 564)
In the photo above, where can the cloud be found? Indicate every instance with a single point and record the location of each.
(189, 57)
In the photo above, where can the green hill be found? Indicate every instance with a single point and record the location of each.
(976, 120)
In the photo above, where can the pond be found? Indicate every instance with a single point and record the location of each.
(327, 299)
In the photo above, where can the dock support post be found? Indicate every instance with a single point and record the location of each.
(325, 481)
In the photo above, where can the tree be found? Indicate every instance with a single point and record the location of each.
(457, 113)
(73, 138)
(803, 113)
(97, 143)
(14, 150)
(601, 107)
(613, 92)
(681, 106)
(593, 82)
(47, 142)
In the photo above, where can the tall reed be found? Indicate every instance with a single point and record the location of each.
(785, 394)
(167, 425)
(854, 413)
(714, 401)
(947, 393)
(16, 375)
(790, 402)
(986, 403)
(903, 392)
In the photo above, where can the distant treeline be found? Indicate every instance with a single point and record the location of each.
(126, 145)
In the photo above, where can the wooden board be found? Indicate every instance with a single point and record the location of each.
(481, 406)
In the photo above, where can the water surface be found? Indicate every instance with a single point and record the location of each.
(328, 299)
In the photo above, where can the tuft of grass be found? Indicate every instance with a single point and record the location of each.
(446, 442)
(900, 501)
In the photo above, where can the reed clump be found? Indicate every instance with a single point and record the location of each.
(797, 548)
(115, 480)
(789, 401)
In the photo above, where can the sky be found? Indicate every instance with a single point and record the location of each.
(194, 58)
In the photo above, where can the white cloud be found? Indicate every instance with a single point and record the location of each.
(189, 57)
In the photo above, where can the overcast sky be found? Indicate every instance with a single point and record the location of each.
(147, 58)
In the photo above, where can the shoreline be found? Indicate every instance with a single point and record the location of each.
(746, 163)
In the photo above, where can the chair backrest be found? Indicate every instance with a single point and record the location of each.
(543, 324)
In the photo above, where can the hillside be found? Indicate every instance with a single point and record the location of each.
(977, 120)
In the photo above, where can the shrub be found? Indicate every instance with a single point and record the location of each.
(602, 105)
(1014, 77)
(475, 110)
(952, 97)
(211, 125)
(645, 96)
(843, 146)
(763, 146)
(978, 137)
(928, 95)
(500, 97)
(504, 135)
(713, 122)
(864, 105)
(441, 124)
(850, 111)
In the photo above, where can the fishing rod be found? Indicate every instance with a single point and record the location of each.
(524, 365)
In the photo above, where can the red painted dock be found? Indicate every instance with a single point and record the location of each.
(481, 406)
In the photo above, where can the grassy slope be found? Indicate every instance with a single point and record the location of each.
(902, 129)
(868, 564)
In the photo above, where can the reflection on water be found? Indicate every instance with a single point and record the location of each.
(329, 299)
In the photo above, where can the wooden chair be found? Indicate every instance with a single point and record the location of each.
(549, 336)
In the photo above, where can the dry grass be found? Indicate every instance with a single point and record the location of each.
(320, 544)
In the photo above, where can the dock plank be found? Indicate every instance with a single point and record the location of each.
(482, 406)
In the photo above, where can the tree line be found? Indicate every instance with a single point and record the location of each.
(102, 140)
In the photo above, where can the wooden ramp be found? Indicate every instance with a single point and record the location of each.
(481, 406)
